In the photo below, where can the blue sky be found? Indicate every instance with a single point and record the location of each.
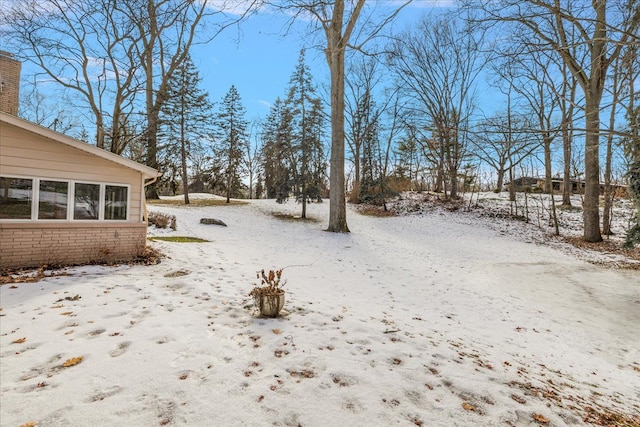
(259, 56)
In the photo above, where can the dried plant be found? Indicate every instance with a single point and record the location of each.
(162, 220)
(271, 283)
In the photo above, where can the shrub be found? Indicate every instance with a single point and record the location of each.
(162, 220)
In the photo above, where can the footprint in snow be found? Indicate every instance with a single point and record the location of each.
(119, 351)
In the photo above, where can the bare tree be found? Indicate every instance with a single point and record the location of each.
(538, 89)
(85, 48)
(602, 29)
(361, 80)
(436, 64)
(504, 141)
(366, 123)
(108, 52)
(338, 19)
(568, 106)
(615, 93)
(252, 158)
(45, 110)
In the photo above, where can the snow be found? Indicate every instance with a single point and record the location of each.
(435, 318)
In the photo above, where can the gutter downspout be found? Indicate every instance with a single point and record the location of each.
(145, 217)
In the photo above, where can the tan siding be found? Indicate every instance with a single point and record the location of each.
(24, 153)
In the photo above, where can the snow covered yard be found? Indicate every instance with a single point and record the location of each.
(436, 319)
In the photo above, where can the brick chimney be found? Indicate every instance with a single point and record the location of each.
(9, 83)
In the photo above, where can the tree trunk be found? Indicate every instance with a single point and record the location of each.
(230, 169)
(183, 158)
(608, 190)
(591, 210)
(304, 206)
(152, 153)
(547, 139)
(356, 169)
(567, 134)
(593, 95)
(512, 185)
(337, 201)
(454, 185)
(566, 176)
(500, 183)
(335, 60)
(439, 179)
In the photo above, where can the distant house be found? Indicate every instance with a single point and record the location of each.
(63, 201)
(536, 185)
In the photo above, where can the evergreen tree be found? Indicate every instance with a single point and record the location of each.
(306, 154)
(232, 139)
(276, 144)
(365, 133)
(632, 149)
(184, 121)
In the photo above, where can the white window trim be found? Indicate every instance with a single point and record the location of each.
(35, 208)
(73, 200)
(35, 200)
(103, 190)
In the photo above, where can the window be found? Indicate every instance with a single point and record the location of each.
(86, 201)
(53, 199)
(115, 202)
(16, 195)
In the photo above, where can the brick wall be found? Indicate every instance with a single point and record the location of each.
(9, 83)
(35, 244)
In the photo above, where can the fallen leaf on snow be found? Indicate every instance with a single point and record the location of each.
(541, 418)
(29, 424)
(519, 399)
(468, 407)
(71, 362)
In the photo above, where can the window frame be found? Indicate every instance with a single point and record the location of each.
(35, 202)
(73, 201)
(36, 197)
(33, 198)
(103, 202)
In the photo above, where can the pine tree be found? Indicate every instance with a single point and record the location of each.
(307, 162)
(232, 139)
(276, 144)
(632, 150)
(184, 121)
(365, 135)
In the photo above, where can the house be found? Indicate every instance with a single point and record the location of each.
(63, 201)
(536, 185)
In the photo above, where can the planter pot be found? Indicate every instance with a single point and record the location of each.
(269, 305)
